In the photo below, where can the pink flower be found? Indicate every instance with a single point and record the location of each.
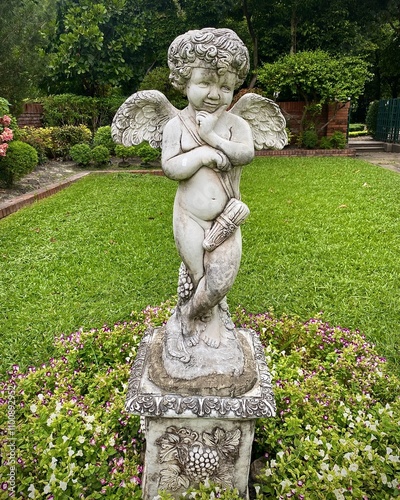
(6, 120)
(3, 149)
(7, 134)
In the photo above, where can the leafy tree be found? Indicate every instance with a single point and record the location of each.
(316, 78)
(92, 45)
(21, 28)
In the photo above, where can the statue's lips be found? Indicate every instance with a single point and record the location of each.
(210, 106)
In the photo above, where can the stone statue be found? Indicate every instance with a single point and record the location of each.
(204, 148)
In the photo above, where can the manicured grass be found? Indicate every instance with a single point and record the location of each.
(323, 235)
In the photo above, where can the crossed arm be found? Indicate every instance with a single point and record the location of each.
(218, 152)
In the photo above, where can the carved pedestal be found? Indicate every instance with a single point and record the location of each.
(202, 429)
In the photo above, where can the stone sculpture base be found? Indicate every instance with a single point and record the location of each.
(200, 429)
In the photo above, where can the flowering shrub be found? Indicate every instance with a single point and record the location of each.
(6, 134)
(336, 435)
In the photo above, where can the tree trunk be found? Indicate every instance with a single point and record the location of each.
(293, 32)
(254, 40)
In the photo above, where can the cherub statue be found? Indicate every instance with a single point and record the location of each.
(204, 148)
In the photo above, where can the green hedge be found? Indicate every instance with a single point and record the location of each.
(70, 109)
(21, 159)
(55, 142)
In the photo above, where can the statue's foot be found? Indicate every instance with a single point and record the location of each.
(212, 334)
(175, 343)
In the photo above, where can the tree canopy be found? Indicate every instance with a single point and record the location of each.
(98, 47)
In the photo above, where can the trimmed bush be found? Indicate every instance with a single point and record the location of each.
(67, 136)
(40, 139)
(372, 117)
(337, 140)
(356, 127)
(147, 153)
(81, 154)
(21, 159)
(309, 139)
(100, 155)
(103, 137)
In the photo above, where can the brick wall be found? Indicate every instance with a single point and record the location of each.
(293, 112)
(31, 115)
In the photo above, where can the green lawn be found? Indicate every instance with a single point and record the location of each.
(323, 235)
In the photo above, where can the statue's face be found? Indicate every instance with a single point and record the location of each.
(207, 91)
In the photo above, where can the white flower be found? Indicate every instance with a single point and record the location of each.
(65, 438)
(52, 478)
(47, 488)
(343, 472)
(394, 458)
(321, 453)
(98, 429)
(33, 408)
(353, 467)
(306, 457)
(336, 469)
(58, 407)
(368, 448)
(40, 397)
(329, 446)
(285, 484)
(358, 398)
(383, 478)
(319, 432)
(88, 427)
(324, 466)
(348, 455)
(338, 494)
(273, 463)
(329, 477)
(342, 441)
(81, 439)
(63, 485)
(308, 427)
(268, 472)
(50, 419)
(51, 445)
(89, 418)
(79, 453)
(388, 451)
(111, 441)
(53, 464)
(32, 491)
(71, 452)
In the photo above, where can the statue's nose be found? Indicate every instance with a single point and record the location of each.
(213, 93)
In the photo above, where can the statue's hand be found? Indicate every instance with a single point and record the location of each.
(207, 121)
(223, 164)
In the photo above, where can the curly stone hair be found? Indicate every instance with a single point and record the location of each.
(217, 48)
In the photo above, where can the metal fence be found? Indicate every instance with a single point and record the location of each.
(388, 123)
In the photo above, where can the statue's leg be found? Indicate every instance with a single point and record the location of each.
(182, 329)
(220, 270)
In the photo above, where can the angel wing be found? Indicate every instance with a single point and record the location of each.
(265, 119)
(142, 117)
